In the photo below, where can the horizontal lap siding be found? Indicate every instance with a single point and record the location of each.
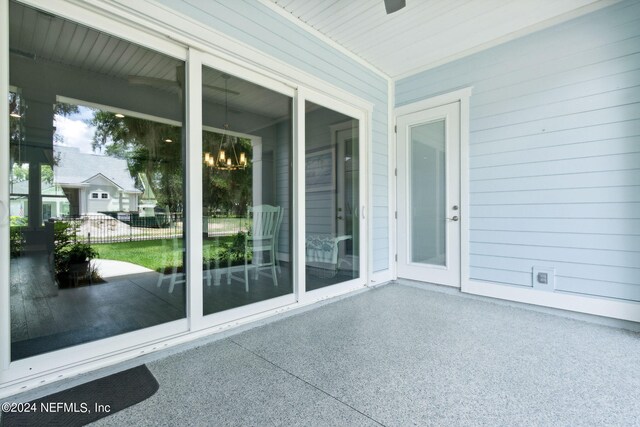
(554, 153)
(256, 25)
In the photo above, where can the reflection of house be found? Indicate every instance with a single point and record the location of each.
(54, 202)
(94, 183)
(147, 200)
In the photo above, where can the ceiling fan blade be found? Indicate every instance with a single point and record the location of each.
(154, 81)
(180, 74)
(220, 89)
(394, 5)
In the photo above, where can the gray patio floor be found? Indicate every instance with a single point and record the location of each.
(399, 355)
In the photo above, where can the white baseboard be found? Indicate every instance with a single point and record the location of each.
(599, 306)
(380, 277)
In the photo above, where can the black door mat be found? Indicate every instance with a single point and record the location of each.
(85, 403)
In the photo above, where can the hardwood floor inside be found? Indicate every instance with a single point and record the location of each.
(45, 318)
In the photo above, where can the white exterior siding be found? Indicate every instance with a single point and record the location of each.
(554, 153)
(100, 204)
(260, 27)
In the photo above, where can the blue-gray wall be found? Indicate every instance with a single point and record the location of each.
(554, 152)
(258, 26)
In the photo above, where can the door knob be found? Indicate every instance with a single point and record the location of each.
(339, 217)
(454, 218)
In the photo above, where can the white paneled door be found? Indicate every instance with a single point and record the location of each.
(429, 195)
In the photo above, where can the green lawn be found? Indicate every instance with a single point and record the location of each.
(156, 254)
(229, 225)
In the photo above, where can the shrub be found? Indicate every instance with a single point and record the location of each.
(69, 254)
(18, 221)
(16, 240)
(230, 253)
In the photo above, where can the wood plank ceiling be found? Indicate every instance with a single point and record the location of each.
(41, 36)
(427, 33)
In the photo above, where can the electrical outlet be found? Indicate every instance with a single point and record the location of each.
(544, 278)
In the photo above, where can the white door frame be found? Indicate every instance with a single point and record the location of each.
(463, 97)
(445, 270)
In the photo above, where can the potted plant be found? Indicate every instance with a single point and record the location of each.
(73, 263)
(81, 254)
(72, 260)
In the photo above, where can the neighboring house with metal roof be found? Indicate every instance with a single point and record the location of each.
(95, 183)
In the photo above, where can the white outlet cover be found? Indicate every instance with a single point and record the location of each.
(551, 278)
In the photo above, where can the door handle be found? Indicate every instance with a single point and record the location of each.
(339, 217)
(454, 218)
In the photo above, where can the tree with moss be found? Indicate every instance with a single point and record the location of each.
(16, 133)
(148, 147)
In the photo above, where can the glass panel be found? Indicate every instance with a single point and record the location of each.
(19, 191)
(332, 197)
(18, 171)
(107, 122)
(246, 158)
(427, 193)
(54, 202)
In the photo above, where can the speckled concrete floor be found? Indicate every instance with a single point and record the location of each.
(398, 355)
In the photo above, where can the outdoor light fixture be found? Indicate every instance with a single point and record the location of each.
(226, 158)
(168, 140)
(16, 115)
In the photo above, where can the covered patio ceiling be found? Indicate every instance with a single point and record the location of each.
(426, 33)
(66, 43)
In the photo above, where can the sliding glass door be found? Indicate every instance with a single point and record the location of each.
(332, 197)
(246, 192)
(96, 177)
(154, 190)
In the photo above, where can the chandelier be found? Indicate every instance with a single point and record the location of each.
(229, 155)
